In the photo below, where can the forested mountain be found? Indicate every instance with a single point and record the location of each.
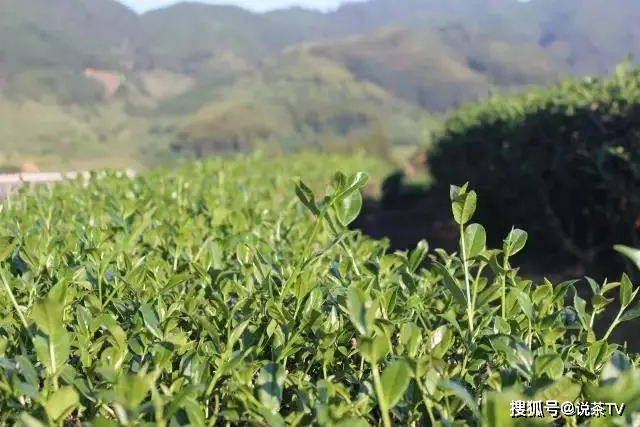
(92, 79)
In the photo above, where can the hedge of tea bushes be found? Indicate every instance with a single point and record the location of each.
(562, 162)
(230, 292)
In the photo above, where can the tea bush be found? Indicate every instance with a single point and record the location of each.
(563, 162)
(222, 293)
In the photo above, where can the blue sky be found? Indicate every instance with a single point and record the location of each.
(257, 5)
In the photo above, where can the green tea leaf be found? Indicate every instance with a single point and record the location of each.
(48, 317)
(460, 392)
(357, 310)
(395, 380)
(564, 390)
(272, 419)
(418, 255)
(62, 402)
(581, 310)
(133, 389)
(374, 349)
(597, 353)
(549, 364)
(515, 242)
(631, 314)
(451, 285)
(7, 245)
(496, 409)
(151, 321)
(305, 195)
(348, 207)
(524, 302)
(631, 253)
(617, 365)
(463, 207)
(475, 240)
(357, 181)
(27, 420)
(270, 386)
(626, 288)
(353, 422)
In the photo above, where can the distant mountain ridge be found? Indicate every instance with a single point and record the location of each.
(192, 63)
(105, 31)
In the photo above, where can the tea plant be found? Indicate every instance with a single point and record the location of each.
(569, 157)
(213, 295)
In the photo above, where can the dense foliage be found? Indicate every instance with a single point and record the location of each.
(224, 293)
(561, 162)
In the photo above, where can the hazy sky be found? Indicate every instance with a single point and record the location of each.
(257, 5)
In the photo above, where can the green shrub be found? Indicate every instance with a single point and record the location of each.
(212, 295)
(562, 162)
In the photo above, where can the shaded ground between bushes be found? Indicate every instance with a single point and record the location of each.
(410, 218)
(423, 218)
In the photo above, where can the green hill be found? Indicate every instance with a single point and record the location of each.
(439, 69)
(200, 33)
(291, 99)
(67, 34)
(588, 35)
(349, 85)
(195, 72)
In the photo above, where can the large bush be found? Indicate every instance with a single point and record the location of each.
(562, 162)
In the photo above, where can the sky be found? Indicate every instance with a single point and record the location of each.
(256, 5)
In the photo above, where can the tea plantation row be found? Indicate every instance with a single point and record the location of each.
(562, 161)
(225, 293)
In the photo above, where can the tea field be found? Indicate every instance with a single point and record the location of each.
(233, 293)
